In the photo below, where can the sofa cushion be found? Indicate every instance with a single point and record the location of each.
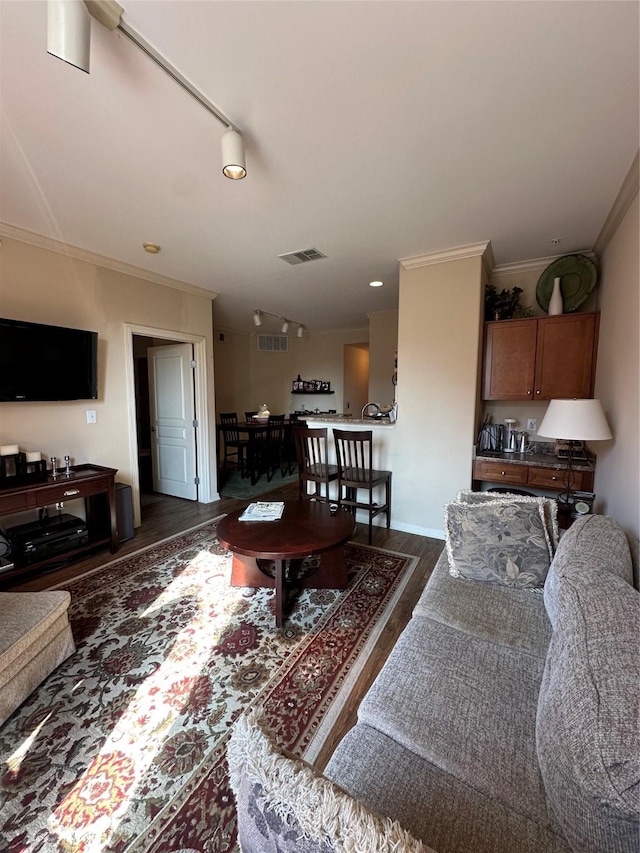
(549, 505)
(468, 707)
(447, 814)
(594, 541)
(492, 612)
(502, 542)
(587, 723)
(284, 806)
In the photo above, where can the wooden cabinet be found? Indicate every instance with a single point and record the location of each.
(537, 476)
(94, 483)
(541, 358)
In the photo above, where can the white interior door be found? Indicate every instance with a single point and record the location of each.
(173, 433)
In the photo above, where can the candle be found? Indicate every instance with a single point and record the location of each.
(34, 456)
(9, 449)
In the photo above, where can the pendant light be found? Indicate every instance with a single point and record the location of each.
(257, 318)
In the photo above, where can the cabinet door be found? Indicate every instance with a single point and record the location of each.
(509, 359)
(565, 359)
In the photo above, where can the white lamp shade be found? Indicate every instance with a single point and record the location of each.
(285, 327)
(257, 318)
(233, 163)
(300, 331)
(575, 420)
(69, 32)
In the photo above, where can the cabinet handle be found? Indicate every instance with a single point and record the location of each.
(528, 393)
(554, 478)
(503, 473)
(70, 492)
(537, 392)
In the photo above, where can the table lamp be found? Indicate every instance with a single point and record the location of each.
(573, 421)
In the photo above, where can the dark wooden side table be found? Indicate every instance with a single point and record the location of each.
(306, 529)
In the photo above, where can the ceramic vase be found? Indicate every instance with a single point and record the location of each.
(555, 303)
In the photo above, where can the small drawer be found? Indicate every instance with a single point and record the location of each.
(556, 478)
(68, 491)
(500, 472)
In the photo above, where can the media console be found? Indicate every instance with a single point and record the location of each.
(94, 483)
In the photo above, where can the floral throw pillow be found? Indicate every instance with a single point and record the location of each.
(550, 505)
(285, 806)
(501, 542)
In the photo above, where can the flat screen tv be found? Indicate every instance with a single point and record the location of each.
(46, 363)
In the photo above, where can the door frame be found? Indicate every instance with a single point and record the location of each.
(205, 494)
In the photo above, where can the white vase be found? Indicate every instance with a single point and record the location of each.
(555, 303)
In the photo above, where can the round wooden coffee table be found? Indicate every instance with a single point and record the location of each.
(306, 529)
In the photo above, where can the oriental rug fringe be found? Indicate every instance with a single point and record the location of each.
(122, 748)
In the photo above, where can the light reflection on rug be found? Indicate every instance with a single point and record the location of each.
(122, 747)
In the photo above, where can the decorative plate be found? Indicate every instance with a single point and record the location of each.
(578, 277)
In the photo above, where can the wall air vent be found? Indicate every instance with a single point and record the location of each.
(273, 343)
(302, 256)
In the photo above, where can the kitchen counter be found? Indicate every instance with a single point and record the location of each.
(539, 459)
(347, 421)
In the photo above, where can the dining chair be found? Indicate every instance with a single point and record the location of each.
(354, 454)
(311, 455)
(249, 415)
(273, 447)
(235, 448)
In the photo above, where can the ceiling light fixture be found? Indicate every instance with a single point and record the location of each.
(69, 38)
(152, 248)
(69, 32)
(376, 283)
(258, 315)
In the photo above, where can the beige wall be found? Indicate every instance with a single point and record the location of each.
(44, 286)
(355, 392)
(440, 325)
(383, 345)
(618, 375)
(246, 378)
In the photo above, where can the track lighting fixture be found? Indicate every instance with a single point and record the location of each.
(284, 328)
(233, 164)
(69, 39)
(69, 32)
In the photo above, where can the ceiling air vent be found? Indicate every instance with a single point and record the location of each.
(302, 256)
(273, 343)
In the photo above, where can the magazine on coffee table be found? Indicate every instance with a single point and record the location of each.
(263, 511)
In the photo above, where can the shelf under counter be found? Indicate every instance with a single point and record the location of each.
(538, 470)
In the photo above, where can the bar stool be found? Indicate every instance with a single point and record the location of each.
(235, 448)
(354, 453)
(311, 454)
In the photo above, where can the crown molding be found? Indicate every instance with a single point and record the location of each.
(535, 264)
(13, 232)
(628, 191)
(473, 250)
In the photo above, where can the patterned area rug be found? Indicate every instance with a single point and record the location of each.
(122, 748)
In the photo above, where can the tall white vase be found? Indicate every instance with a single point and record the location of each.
(555, 303)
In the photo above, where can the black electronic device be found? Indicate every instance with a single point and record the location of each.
(47, 363)
(40, 540)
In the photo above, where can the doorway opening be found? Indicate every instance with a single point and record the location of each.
(141, 343)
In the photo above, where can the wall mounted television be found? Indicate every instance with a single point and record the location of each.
(47, 363)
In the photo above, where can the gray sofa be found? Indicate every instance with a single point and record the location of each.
(506, 720)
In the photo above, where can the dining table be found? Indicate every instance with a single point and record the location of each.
(256, 432)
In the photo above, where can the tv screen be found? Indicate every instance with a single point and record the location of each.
(46, 363)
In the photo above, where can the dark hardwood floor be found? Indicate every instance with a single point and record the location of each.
(164, 516)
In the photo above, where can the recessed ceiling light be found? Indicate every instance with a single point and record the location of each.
(376, 283)
(152, 248)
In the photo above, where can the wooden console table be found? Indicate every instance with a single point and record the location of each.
(94, 483)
